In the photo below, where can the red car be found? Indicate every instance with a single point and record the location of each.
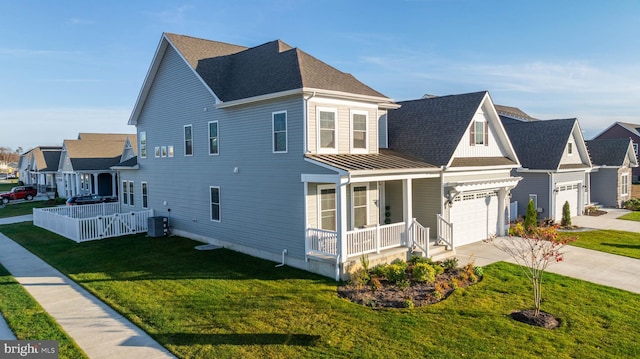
(20, 192)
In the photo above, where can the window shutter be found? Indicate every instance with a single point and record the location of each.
(472, 139)
(486, 133)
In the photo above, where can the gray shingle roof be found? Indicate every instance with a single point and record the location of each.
(431, 128)
(608, 152)
(540, 144)
(235, 72)
(384, 160)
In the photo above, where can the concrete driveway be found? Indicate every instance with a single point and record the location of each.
(593, 266)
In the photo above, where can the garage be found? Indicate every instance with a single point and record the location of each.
(567, 193)
(474, 216)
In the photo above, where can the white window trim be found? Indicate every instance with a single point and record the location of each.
(273, 131)
(143, 136)
(319, 189)
(125, 193)
(156, 151)
(623, 186)
(570, 149)
(219, 205)
(163, 151)
(184, 140)
(142, 185)
(209, 137)
(132, 194)
(353, 211)
(364, 150)
(318, 130)
(170, 151)
(485, 128)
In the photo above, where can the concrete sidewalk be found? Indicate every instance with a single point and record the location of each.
(98, 330)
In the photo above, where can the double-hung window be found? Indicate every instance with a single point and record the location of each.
(359, 131)
(359, 200)
(214, 193)
(131, 197)
(188, 140)
(327, 207)
(624, 184)
(328, 130)
(479, 133)
(125, 192)
(279, 125)
(143, 144)
(145, 195)
(213, 137)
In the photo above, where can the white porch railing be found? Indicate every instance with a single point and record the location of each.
(420, 237)
(360, 241)
(375, 239)
(445, 232)
(90, 222)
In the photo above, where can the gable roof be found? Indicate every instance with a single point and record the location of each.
(611, 152)
(513, 113)
(633, 128)
(431, 128)
(541, 144)
(234, 73)
(47, 158)
(97, 151)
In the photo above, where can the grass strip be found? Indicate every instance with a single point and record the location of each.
(615, 242)
(222, 304)
(28, 320)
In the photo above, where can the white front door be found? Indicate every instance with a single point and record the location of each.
(474, 216)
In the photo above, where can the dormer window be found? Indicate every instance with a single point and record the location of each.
(479, 133)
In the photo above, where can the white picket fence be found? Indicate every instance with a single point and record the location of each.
(91, 222)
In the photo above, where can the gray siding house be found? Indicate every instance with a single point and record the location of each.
(555, 165)
(39, 167)
(463, 135)
(624, 130)
(271, 152)
(613, 161)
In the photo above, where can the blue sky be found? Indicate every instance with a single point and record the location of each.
(78, 66)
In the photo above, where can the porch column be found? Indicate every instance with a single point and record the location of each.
(77, 183)
(341, 220)
(94, 183)
(114, 184)
(502, 208)
(407, 208)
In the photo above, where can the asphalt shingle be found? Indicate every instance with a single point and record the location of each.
(608, 152)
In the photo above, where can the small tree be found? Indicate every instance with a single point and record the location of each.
(566, 214)
(533, 250)
(531, 220)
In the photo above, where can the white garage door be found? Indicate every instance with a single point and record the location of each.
(567, 193)
(474, 217)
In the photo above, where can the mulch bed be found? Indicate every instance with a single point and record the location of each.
(390, 295)
(543, 319)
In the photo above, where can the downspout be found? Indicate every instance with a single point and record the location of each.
(305, 128)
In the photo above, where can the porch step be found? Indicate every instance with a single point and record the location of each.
(438, 252)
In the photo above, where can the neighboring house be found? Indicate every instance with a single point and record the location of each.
(624, 130)
(85, 164)
(555, 165)
(462, 135)
(39, 167)
(613, 160)
(271, 152)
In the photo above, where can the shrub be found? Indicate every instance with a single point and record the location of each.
(408, 303)
(396, 272)
(374, 284)
(423, 272)
(379, 271)
(450, 263)
(359, 277)
(478, 271)
(438, 268)
(404, 284)
(401, 263)
(632, 204)
(419, 259)
(566, 214)
(531, 219)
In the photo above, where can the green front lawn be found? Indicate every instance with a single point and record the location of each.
(222, 304)
(21, 208)
(28, 320)
(631, 216)
(614, 242)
